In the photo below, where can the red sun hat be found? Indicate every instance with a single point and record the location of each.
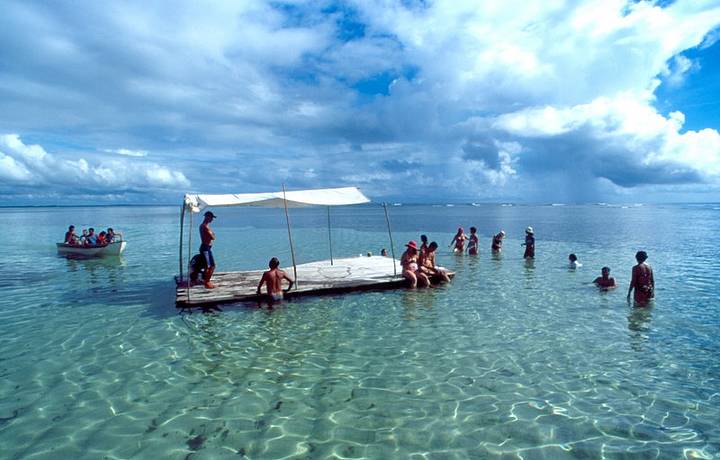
(412, 244)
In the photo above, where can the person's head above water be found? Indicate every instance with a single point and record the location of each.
(433, 246)
(274, 263)
(572, 257)
(641, 256)
(473, 230)
(605, 271)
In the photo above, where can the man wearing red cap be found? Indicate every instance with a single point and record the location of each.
(207, 236)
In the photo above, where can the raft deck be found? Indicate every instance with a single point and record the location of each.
(344, 275)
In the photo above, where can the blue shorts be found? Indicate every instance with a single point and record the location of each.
(206, 251)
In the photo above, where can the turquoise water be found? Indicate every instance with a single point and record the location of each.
(509, 361)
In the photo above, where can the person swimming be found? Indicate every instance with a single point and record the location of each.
(573, 262)
(605, 281)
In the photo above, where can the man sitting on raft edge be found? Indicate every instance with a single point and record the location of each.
(273, 279)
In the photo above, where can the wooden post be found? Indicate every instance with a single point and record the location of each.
(182, 223)
(330, 237)
(189, 253)
(292, 249)
(392, 246)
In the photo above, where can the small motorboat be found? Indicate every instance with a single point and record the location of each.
(113, 249)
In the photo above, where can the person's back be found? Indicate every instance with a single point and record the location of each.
(642, 281)
(273, 279)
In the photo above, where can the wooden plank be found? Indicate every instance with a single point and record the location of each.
(345, 275)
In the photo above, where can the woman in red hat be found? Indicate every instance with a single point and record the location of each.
(411, 269)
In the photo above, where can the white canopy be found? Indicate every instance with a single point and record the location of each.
(296, 198)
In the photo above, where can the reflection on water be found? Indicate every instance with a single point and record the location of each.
(639, 319)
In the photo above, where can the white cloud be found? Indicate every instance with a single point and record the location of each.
(27, 167)
(450, 94)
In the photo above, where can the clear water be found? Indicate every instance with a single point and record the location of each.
(509, 361)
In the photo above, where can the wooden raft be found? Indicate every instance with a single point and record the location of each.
(345, 275)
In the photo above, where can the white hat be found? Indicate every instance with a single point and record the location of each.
(529, 230)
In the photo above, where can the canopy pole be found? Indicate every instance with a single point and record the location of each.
(292, 249)
(330, 236)
(189, 254)
(182, 224)
(392, 246)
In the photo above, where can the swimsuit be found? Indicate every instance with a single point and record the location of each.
(276, 296)
(529, 247)
(206, 250)
(473, 246)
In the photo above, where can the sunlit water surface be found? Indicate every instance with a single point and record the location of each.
(511, 360)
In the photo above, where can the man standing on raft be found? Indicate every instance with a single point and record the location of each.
(207, 236)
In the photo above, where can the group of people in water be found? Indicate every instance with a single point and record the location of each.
(89, 238)
(419, 266)
(418, 263)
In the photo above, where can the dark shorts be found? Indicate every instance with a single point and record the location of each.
(206, 251)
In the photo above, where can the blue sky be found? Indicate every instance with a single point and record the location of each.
(413, 101)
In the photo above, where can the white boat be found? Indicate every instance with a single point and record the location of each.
(113, 249)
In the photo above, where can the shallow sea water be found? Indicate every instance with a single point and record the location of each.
(512, 360)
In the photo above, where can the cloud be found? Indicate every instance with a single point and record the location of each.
(462, 99)
(128, 152)
(30, 169)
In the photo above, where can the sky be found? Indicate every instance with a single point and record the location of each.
(412, 100)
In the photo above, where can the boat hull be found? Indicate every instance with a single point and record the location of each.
(112, 249)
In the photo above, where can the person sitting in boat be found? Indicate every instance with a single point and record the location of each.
(459, 241)
(111, 236)
(101, 239)
(427, 264)
(83, 238)
(411, 269)
(273, 279)
(473, 242)
(91, 238)
(71, 237)
(605, 281)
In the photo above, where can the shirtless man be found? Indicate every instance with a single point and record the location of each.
(605, 281)
(71, 237)
(642, 281)
(207, 236)
(427, 264)
(273, 279)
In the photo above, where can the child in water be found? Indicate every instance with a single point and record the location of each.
(473, 242)
(459, 241)
(573, 262)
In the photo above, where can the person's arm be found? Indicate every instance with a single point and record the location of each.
(262, 281)
(290, 282)
(632, 284)
(652, 283)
